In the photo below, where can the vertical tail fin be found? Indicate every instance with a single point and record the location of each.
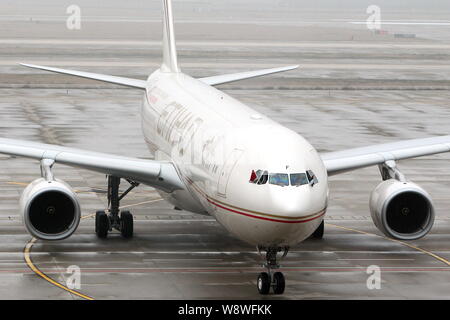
(170, 63)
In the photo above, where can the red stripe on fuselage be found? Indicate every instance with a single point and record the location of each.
(262, 218)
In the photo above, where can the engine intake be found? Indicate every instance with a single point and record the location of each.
(402, 210)
(50, 209)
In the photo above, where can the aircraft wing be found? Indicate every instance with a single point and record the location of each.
(226, 78)
(158, 174)
(128, 82)
(351, 159)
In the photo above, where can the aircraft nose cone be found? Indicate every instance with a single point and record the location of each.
(293, 201)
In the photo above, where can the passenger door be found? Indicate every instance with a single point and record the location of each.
(227, 168)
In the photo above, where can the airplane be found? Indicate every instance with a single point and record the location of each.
(213, 155)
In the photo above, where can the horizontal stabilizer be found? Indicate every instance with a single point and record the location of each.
(226, 78)
(141, 84)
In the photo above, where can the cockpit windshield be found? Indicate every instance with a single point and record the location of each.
(283, 179)
(279, 179)
(298, 179)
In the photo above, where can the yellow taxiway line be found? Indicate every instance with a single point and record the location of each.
(26, 253)
(25, 184)
(431, 254)
(32, 266)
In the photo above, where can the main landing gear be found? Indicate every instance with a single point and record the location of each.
(269, 279)
(121, 220)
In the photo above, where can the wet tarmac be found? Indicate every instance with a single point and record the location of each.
(348, 94)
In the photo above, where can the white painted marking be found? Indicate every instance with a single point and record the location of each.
(230, 65)
(299, 44)
(377, 259)
(406, 23)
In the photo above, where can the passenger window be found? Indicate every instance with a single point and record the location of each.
(279, 179)
(311, 177)
(298, 179)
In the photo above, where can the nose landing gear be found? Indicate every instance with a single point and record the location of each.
(117, 219)
(267, 280)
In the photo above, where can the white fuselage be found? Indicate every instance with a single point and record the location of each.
(216, 143)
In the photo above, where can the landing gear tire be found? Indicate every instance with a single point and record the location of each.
(126, 224)
(271, 279)
(101, 224)
(115, 219)
(263, 283)
(318, 234)
(278, 283)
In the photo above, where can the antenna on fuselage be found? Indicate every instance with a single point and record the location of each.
(170, 63)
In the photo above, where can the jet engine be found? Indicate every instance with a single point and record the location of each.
(401, 210)
(50, 209)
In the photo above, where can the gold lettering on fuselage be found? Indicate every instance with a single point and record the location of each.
(209, 154)
(178, 125)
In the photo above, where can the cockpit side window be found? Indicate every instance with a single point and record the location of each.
(263, 177)
(311, 177)
(279, 179)
(259, 177)
(298, 179)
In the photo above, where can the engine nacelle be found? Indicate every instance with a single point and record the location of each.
(401, 210)
(50, 209)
